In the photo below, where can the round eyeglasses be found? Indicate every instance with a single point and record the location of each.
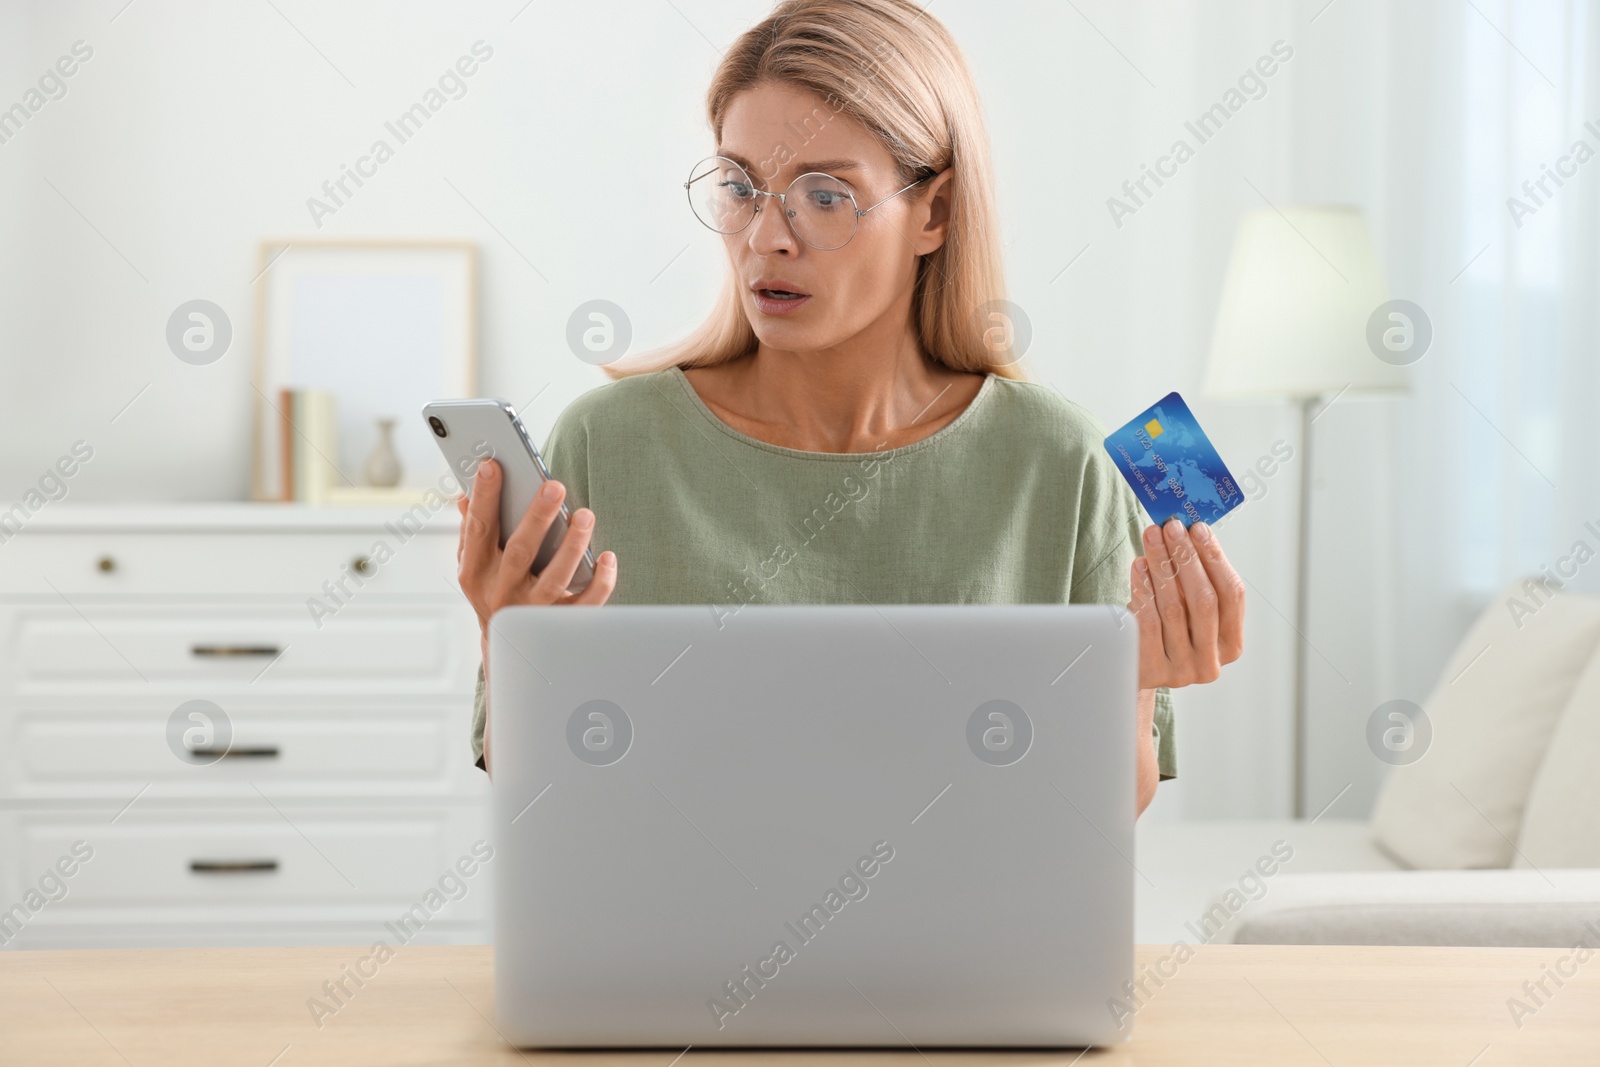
(820, 208)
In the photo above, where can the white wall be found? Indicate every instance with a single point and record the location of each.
(198, 128)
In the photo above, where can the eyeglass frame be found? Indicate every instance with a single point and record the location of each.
(782, 198)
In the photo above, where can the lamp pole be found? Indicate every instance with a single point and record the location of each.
(1310, 408)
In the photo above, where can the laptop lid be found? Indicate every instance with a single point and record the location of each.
(812, 825)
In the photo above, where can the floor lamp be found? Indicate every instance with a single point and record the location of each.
(1301, 289)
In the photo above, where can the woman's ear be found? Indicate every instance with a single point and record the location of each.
(933, 212)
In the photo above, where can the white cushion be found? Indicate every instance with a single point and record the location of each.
(1493, 711)
(1181, 866)
(1561, 826)
(1549, 909)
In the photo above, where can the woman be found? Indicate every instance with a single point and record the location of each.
(849, 425)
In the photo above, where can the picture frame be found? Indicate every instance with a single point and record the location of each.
(384, 325)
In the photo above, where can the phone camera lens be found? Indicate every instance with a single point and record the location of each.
(438, 426)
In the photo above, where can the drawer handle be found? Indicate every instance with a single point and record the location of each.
(106, 564)
(232, 866)
(244, 752)
(362, 565)
(219, 651)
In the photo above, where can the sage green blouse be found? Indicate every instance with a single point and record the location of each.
(1013, 502)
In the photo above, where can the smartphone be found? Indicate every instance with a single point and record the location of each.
(471, 431)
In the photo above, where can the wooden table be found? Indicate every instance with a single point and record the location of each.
(1229, 1004)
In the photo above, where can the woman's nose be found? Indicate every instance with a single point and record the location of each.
(770, 232)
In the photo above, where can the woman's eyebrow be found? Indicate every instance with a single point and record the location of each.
(826, 166)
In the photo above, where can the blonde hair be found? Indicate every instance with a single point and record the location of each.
(899, 72)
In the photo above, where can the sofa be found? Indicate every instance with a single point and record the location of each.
(1491, 837)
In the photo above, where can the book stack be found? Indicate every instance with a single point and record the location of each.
(310, 441)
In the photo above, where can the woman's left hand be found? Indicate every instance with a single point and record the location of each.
(1189, 602)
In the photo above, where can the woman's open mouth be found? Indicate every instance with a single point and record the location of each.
(774, 300)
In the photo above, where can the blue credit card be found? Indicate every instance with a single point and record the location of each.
(1173, 468)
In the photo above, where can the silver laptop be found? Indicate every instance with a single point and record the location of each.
(813, 825)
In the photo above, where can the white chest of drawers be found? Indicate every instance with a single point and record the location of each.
(326, 788)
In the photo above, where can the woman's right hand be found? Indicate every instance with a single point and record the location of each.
(493, 578)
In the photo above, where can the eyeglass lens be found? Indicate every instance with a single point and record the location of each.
(820, 208)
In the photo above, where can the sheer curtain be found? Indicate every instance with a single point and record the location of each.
(1431, 116)
(1500, 434)
(1487, 470)
(1527, 363)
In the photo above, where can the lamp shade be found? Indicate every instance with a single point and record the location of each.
(1301, 287)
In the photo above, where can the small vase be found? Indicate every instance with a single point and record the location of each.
(383, 465)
